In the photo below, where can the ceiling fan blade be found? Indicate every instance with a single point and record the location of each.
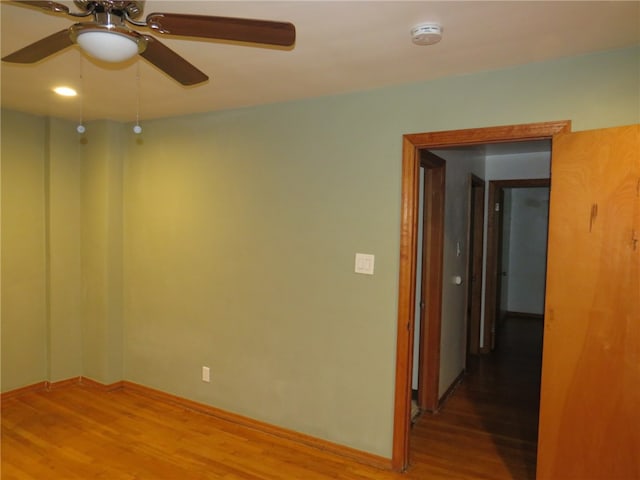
(224, 28)
(171, 63)
(51, 6)
(41, 49)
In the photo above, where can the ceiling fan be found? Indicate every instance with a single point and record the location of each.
(107, 37)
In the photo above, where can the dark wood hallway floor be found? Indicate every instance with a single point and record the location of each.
(488, 428)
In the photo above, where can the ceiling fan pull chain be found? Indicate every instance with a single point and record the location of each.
(137, 129)
(81, 128)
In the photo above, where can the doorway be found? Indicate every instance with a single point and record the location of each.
(413, 146)
(496, 293)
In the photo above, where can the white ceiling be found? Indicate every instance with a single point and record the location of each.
(341, 47)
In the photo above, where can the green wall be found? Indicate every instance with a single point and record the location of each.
(227, 239)
(61, 251)
(24, 271)
(101, 251)
(63, 205)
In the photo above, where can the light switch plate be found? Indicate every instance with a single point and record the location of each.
(364, 263)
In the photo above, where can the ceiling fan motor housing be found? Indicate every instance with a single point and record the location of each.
(132, 9)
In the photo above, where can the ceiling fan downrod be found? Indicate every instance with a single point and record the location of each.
(130, 9)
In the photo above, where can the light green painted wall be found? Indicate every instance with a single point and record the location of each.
(228, 239)
(101, 247)
(61, 257)
(24, 299)
(240, 235)
(63, 205)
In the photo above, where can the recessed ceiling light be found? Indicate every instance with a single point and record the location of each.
(65, 91)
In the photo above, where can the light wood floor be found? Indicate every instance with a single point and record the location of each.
(487, 430)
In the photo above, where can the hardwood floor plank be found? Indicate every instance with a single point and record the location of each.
(486, 430)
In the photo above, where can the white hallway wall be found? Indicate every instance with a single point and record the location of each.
(528, 250)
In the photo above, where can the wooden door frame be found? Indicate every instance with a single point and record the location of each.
(431, 294)
(412, 146)
(491, 311)
(475, 254)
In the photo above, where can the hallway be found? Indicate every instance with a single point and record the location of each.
(488, 427)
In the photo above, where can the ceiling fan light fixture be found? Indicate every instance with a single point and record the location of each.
(108, 43)
(109, 39)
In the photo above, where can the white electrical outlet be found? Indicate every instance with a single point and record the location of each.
(206, 374)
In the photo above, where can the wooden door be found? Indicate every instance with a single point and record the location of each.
(475, 258)
(501, 292)
(590, 398)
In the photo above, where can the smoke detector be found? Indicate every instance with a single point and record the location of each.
(426, 34)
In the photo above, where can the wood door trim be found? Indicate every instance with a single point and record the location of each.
(493, 242)
(406, 304)
(500, 134)
(411, 146)
(432, 253)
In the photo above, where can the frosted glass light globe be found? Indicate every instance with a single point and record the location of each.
(107, 46)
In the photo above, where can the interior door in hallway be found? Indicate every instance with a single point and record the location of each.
(475, 256)
(589, 415)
